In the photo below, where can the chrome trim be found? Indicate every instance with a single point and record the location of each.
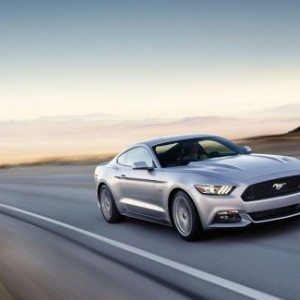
(142, 204)
(275, 219)
(139, 179)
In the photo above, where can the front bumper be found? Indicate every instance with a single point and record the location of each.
(259, 211)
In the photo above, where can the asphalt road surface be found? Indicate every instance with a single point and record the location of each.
(54, 244)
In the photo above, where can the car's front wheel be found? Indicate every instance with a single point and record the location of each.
(108, 206)
(185, 217)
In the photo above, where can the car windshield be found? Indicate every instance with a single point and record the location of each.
(183, 152)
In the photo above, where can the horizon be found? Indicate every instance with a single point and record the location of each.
(111, 117)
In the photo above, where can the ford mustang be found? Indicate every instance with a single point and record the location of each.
(197, 183)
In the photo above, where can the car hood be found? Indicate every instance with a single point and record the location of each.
(245, 167)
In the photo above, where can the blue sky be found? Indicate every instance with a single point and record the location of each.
(139, 58)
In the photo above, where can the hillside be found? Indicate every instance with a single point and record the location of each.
(295, 131)
(285, 144)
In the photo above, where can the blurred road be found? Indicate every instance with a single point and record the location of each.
(44, 260)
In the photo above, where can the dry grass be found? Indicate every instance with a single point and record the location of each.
(63, 160)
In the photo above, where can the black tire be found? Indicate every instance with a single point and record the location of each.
(186, 217)
(108, 206)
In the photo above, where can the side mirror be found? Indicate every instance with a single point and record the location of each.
(142, 165)
(247, 149)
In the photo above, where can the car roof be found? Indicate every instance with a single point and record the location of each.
(168, 139)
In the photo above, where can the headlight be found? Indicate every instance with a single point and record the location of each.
(218, 190)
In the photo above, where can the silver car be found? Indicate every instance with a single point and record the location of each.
(197, 183)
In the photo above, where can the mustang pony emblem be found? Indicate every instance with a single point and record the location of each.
(279, 186)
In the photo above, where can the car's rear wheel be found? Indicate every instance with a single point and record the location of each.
(185, 217)
(108, 206)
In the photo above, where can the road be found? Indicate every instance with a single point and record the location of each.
(56, 245)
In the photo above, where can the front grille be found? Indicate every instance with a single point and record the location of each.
(275, 213)
(272, 188)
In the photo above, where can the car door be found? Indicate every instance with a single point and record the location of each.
(141, 189)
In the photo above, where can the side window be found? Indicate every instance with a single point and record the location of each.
(122, 159)
(139, 154)
(135, 155)
(168, 154)
(214, 148)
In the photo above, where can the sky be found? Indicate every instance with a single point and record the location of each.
(147, 59)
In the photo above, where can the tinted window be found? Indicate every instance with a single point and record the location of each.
(137, 154)
(215, 149)
(185, 151)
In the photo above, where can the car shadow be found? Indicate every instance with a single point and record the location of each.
(253, 232)
(277, 229)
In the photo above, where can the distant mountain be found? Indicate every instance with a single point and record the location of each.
(290, 111)
(98, 117)
(100, 133)
(66, 118)
(206, 119)
(286, 111)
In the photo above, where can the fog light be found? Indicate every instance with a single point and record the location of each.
(227, 216)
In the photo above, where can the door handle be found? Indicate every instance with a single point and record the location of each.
(123, 176)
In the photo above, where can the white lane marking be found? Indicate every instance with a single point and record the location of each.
(202, 275)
